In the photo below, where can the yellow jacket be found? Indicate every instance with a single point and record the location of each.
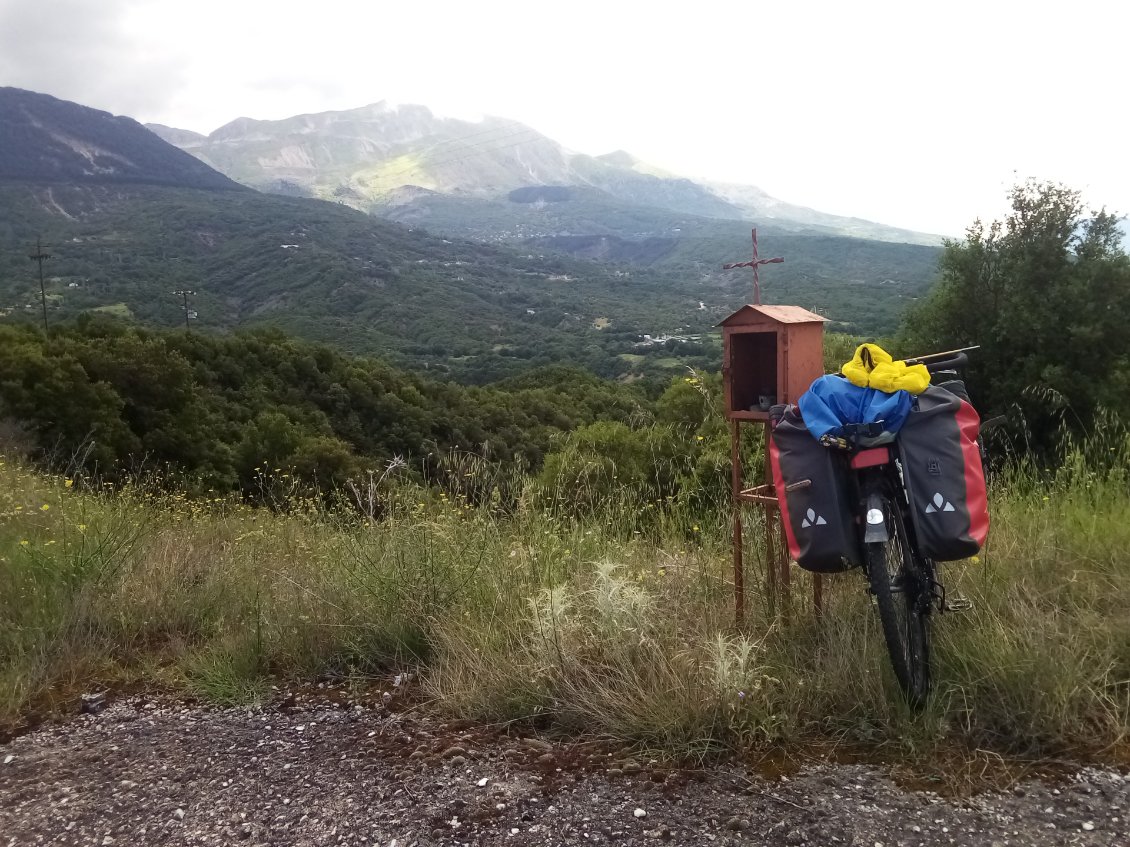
(873, 367)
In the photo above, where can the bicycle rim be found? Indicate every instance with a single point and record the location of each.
(901, 590)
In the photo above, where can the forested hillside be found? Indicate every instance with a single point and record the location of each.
(218, 411)
(328, 273)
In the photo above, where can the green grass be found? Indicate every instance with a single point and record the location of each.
(619, 624)
(118, 310)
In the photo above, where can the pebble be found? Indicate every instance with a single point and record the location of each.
(9, 759)
(536, 800)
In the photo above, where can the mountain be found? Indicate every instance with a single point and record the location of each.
(756, 205)
(43, 139)
(142, 220)
(399, 160)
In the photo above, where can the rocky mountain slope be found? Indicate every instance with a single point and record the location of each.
(397, 160)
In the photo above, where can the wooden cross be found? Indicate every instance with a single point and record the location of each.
(754, 264)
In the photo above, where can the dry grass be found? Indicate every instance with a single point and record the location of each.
(617, 624)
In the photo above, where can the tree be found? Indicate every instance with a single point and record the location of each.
(1046, 293)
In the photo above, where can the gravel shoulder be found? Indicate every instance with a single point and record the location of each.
(158, 772)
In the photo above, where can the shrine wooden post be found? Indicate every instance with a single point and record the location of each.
(770, 356)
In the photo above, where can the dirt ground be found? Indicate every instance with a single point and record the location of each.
(308, 771)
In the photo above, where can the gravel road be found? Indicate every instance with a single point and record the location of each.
(156, 772)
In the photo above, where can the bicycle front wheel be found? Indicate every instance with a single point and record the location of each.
(901, 586)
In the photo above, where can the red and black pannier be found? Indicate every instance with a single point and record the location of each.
(811, 485)
(943, 474)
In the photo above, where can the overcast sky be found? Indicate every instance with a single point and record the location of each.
(916, 114)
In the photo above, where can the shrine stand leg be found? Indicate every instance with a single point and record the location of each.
(736, 487)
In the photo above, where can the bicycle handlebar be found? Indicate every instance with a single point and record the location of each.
(958, 361)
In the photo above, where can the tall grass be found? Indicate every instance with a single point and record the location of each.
(615, 621)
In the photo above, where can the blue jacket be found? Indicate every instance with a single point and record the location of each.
(831, 401)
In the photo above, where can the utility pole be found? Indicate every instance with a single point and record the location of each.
(41, 257)
(755, 264)
(185, 294)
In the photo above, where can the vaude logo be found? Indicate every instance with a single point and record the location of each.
(940, 504)
(813, 520)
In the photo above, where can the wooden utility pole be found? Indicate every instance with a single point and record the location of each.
(40, 256)
(185, 294)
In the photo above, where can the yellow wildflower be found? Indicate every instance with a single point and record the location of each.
(44, 507)
(67, 483)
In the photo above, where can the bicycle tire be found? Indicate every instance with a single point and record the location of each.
(901, 586)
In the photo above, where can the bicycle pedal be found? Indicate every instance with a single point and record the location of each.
(959, 604)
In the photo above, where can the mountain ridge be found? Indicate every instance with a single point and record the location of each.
(48, 139)
(364, 156)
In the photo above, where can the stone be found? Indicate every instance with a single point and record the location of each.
(92, 704)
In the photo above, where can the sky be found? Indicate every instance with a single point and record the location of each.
(917, 113)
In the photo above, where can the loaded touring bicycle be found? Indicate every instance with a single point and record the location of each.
(893, 493)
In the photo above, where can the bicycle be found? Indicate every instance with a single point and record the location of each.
(890, 503)
(903, 580)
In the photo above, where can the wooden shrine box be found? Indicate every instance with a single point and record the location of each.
(770, 354)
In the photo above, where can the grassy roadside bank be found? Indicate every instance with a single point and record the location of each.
(618, 625)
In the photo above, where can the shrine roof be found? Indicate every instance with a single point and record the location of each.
(780, 314)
